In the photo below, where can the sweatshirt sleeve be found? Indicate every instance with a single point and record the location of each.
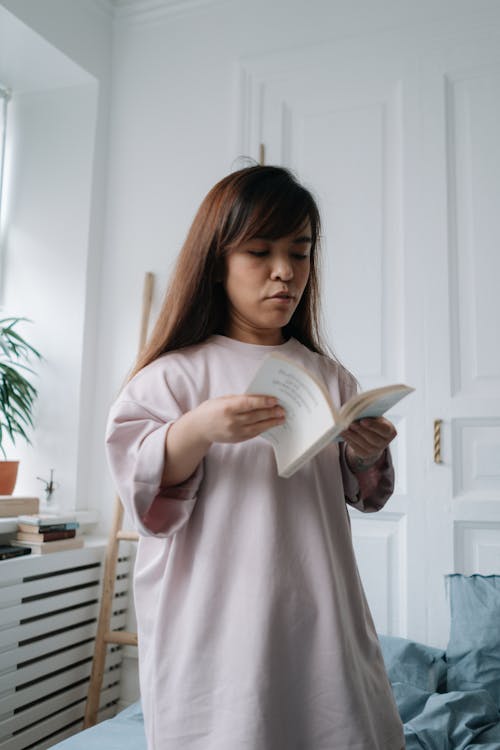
(368, 491)
(135, 446)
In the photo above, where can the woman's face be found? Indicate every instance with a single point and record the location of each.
(264, 281)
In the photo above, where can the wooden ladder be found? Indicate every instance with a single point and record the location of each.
(104, 634)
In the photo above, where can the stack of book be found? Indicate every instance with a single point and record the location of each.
(44, 533)
(7, 551)
(12, 505)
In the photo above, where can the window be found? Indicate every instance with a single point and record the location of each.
(4, 98)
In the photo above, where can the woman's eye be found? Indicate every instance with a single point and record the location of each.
(262, 253)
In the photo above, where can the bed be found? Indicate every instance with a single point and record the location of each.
(448, 699)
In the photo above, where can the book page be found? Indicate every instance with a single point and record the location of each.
(307, 406)
(373, 403)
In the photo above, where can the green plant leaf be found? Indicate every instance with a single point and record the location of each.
(17, 393)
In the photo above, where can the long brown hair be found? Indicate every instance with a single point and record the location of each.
(255, 201)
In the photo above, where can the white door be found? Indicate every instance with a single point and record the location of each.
(364, 123)
(460, 83)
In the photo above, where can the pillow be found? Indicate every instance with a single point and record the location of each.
(413, 663)
(473, 652)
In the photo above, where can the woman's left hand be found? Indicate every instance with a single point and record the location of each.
(366, 441)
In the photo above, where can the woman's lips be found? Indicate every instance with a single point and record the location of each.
(282, 299)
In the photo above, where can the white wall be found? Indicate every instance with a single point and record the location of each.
(56, 58)
(50, 149)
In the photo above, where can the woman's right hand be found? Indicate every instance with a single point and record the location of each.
(228, 419)
(233, 419)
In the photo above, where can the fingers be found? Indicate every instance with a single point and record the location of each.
(361, 447)
(256, 428)
(252, 401)
(262, 415)
(374, 429)
(256, 409)
(252, 414)
(370, 436)
(231, 419)
(379, 426)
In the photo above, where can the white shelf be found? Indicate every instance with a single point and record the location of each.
(8, 525)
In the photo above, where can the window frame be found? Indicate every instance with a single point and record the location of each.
(5, 96)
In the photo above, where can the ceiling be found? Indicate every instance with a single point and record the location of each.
(150, 8)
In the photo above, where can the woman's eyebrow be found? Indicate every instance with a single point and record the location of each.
(296, 240)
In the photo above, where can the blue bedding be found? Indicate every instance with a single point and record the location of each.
(124, 732)
(434, 717)
(448, 700)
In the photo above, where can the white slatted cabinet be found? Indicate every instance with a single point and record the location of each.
(49, 606)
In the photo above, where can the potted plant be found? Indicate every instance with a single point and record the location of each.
(17, 395)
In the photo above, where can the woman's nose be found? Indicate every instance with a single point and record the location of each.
(282, 269)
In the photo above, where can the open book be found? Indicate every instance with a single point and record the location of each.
(312, 419)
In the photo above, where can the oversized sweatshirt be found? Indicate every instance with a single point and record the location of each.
(253, 627)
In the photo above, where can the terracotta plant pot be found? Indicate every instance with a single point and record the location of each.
(8, 476)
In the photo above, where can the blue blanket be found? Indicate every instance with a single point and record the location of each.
(450, 700)
(434, 717)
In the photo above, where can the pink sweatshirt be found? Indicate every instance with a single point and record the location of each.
(254, 630)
